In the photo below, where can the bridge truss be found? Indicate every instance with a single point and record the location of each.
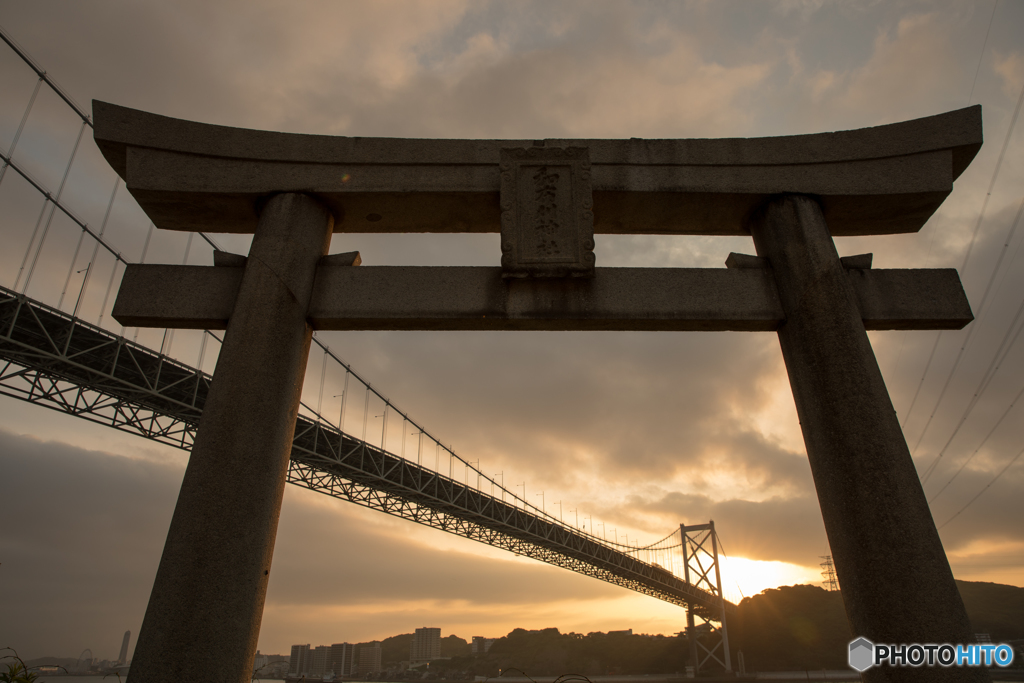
(55, 360)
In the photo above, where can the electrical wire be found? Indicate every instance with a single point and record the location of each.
(981, 57)
(983, 442)
(967, 256)
(986, 488)
(989, 372)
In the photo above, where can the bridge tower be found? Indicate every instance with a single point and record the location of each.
(700, 558)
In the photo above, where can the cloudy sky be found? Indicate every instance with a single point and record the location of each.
(636, 431)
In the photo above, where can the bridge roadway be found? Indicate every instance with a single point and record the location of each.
(49, 358)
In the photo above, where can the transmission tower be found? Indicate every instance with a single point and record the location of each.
(829, 573)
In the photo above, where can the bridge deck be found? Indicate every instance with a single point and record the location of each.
(52, 359)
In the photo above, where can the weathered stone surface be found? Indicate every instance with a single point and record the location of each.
(478, 298)
(186, 297)
(193, 176)
(547, 217)
(204, 613)
(896, 582)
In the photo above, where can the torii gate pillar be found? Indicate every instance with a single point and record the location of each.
(872, 502)
(204, 613)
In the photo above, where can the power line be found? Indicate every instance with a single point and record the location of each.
(986, 378)
(974, 237)
(983, 442)
(981, 57)
(938, 337)
(976, 497)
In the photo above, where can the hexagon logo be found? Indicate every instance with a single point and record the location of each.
(862, 654)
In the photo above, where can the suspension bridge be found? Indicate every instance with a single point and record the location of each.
(59, 360)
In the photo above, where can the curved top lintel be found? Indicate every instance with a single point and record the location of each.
(189, 175)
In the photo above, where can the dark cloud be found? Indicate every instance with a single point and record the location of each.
(84, 531)
(777, 529)
(82, 537)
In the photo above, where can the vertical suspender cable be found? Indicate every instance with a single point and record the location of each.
(165, 348)
(202, 351)
(341, 411)
(31, 241)
(323, 375)
(46, 230)
(142, 259)
(366, 413)
(21, 127)
(344, 395)
(71, 271)
(95, 249)
(106, 296)
(199, 366)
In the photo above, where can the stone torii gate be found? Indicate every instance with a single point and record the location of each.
(547, 198)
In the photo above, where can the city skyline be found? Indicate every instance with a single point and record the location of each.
(630, 432)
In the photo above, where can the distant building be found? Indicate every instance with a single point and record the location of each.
(624, 632)
(123, 657)
(300, 660)
(369, 658)
(426, 645)
(320, 661)
(343, 659)
(481, 645)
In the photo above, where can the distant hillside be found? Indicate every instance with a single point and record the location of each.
(994, 608)
(791, 628)
(547, 652)
(805, 627)
(393, 650)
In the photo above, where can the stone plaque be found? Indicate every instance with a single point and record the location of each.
(547, 217)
